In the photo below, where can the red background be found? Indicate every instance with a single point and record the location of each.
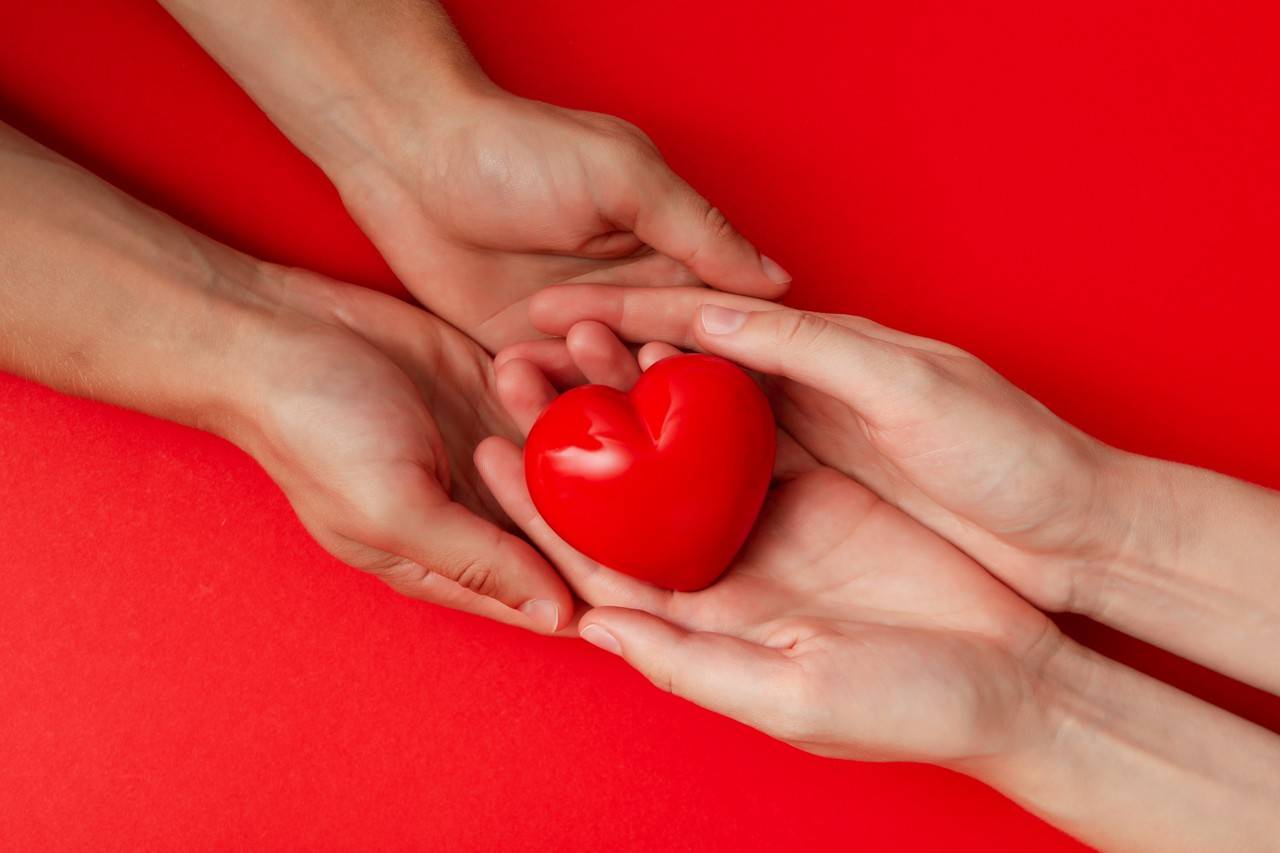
(1085, 194)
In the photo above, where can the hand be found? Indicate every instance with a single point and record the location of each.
(844, 627)
(924, 425)
(493, 197)
(365, 411)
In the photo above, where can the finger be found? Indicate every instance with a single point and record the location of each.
(652, 270)
(673, 218)
(550, 356)
(812, 349)
(654, 352)
(725, 674)
(868, 373)
(601, 357)
(667, 313)
(637, 314)
(478, 556)
(414, 581)
(501, 465)
(524, 392)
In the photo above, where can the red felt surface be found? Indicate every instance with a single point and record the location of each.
(1085, 194)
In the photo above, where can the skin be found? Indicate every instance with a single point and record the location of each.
(1178, 556)
(364, 409)
(849, 629)
(477, 198)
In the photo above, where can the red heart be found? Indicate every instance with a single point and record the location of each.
(664, 482)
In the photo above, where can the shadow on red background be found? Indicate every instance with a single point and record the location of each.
(1085, 196)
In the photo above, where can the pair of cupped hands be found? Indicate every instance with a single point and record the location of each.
(923, 508)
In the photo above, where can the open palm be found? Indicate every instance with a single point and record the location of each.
(367, 417)
(842, 621)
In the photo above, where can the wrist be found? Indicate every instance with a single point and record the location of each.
(218, 390)
(1126, 761)
(1057, 683)
(376, 133)
(1132, 513)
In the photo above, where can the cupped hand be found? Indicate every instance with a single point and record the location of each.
(493, 197)
(926, 426)
(365, 411)
(843, 627)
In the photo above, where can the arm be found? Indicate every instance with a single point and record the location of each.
(848, 629)
(1177, 556)
(341, 79)
(323, 383)
(1113, 757)
(1129, 763)
(104, 298)
(1195, 570)
(475, 197)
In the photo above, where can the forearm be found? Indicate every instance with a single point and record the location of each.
(101, 296)
(1197, 570)
(341, 79)
(1131, 763)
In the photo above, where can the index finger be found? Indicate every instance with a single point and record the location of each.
(638, 314)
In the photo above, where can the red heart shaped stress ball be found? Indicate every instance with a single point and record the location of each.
(662, 483)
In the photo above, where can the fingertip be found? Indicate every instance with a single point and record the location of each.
(586, 335)
(600, 637)
(543, 615)
(543, 307)
(489, 450)
(654, 352)
(524, 391)
(505, 355)
(499, 462)
(601, 357)
(773, 271)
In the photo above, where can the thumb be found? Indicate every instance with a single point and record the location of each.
(730, 676)
(673, 218)
(812, 350)
(478, 556)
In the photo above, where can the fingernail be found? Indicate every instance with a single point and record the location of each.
(542, 613)
(717, 320)
(776, 273)
(601, 639)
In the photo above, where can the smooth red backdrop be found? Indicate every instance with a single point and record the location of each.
(1085, 194)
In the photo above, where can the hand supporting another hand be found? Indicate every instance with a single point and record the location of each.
(365, 412)
(848, 629)
(926, 426)
(498, 196)
(1180, 557)
(477, 198)
(843, 627)
(364, 409)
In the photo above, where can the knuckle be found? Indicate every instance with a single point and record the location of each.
(922, 376)
(717, 224)
(620, 128)
(800, 330)
(663, 680)
(475, 575)
(627, 142)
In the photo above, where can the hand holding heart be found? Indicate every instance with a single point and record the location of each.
(692, 442)
(843, 626)
(924, 425)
